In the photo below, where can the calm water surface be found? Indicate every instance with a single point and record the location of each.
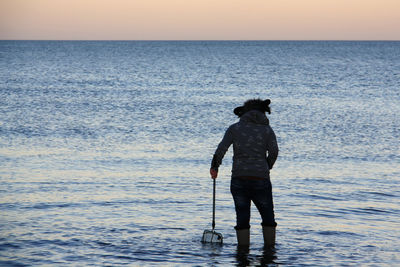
(105, 149)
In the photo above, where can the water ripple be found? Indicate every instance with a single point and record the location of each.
(105, 150)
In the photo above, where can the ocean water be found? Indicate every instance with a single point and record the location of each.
(105, 149)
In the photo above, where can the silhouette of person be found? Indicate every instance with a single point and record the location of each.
(255, 151)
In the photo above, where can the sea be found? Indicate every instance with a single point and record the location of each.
(105, 150)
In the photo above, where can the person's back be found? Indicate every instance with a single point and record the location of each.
(252, 139)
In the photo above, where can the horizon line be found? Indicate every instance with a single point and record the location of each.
(209, 40)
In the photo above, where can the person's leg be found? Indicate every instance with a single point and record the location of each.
(242, 203)
(242, 206)
(262, 198)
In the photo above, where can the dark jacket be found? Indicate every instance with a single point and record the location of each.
(255, 148)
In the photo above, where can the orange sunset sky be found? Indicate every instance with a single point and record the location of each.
(200, 19)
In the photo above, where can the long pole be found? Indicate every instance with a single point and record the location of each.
(213, 216)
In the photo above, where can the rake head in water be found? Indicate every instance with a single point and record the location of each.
(210, 236)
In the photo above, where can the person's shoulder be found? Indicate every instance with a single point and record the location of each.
(270, 131)
(268, 128)
(234, 126)
(237, 124)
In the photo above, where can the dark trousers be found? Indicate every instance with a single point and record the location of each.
(260, 192)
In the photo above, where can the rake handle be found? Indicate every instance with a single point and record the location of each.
(213, 214)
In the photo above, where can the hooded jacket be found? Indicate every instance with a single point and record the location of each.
(255, 148)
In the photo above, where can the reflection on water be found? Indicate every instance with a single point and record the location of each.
(265, 257)
(105, 150)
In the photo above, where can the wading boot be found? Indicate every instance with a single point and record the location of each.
(243, 237)
(269, 235)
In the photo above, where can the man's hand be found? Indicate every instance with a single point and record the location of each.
(214, 173)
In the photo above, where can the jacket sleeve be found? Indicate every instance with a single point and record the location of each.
(272, 148)
(221, 149)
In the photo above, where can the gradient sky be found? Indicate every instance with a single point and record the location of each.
(200, 19)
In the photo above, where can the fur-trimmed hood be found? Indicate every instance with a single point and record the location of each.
(255, 116)
(253, 104)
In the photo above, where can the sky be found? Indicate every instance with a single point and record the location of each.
(199, 19)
